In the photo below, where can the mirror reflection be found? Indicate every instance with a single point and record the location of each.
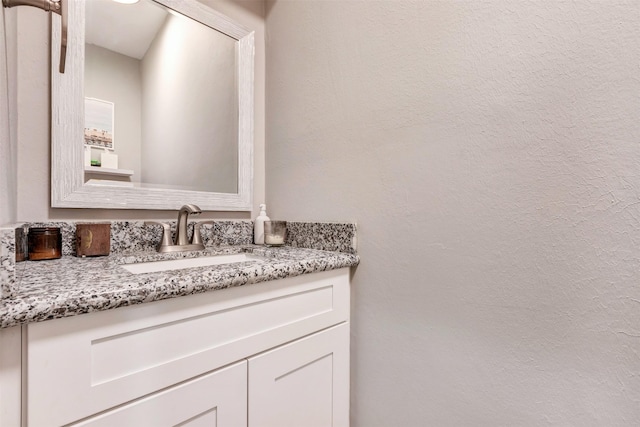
(161, 100)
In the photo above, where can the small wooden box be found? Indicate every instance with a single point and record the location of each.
(93, 239)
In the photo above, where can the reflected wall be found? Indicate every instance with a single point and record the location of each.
(174, 88)
(190, 109)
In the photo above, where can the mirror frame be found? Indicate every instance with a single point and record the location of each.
(67, 124)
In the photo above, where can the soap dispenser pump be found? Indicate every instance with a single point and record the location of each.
(258, 226)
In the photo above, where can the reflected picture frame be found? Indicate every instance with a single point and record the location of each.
(99, 123)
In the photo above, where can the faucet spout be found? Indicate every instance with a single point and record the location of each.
(181, 229)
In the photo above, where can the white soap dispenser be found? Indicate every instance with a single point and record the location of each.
(258, 226)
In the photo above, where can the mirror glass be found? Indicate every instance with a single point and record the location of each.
(161, 99)
(154, 109)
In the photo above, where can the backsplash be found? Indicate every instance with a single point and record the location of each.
(325, 236)
(134, 236)
(7, 261)
(131, 236)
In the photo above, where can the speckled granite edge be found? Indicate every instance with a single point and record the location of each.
(7, 262)
(70, 286)
(325, 236)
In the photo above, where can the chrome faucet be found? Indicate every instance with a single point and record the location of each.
(181, 242)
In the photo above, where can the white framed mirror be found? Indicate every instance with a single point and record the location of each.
(161, 130)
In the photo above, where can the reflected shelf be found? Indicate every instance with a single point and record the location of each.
(108, 183)
(107, 171)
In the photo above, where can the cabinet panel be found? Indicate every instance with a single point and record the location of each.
(10, 376)
(216, 399)
(304, 383)
(86, 364)
(166, 342)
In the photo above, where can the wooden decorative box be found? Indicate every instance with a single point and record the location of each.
(93, 239)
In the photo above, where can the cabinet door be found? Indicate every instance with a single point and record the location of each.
(215, 399)
(304, 383)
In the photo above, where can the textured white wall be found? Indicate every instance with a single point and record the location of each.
(490, 153)
(33, 117)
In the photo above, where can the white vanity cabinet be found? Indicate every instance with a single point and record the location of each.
(270, 354)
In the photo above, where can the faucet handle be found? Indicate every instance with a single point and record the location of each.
(166, 233)
(196, 239)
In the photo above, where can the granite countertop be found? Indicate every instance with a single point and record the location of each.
(70, 286)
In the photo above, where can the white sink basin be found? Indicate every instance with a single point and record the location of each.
(178, 264)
